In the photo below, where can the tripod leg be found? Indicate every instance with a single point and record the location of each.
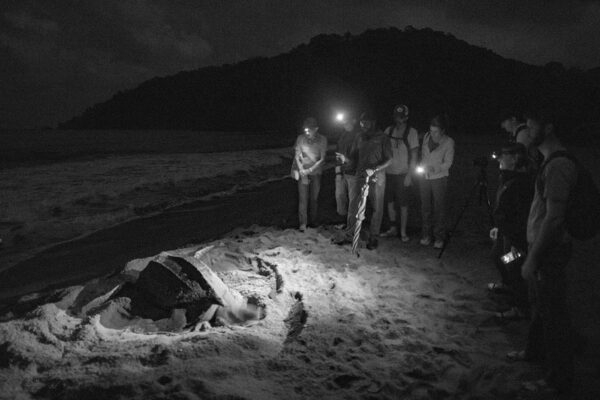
(484, 197)
(457, 221)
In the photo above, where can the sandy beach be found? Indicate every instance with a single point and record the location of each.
(393, 323)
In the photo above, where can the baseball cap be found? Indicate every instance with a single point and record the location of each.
(401, 111)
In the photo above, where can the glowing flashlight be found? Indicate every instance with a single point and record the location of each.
(420, 170)
(494, 155)
(340, 117)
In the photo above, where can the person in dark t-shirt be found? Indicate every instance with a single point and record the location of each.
(374, 153)
(345, 171)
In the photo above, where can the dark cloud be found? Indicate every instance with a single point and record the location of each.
(59, 57)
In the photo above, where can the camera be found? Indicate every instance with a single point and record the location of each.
(511, 256)
(481, 162)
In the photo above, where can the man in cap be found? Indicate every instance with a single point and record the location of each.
(310, 150)
(374, 156)
(405, 148)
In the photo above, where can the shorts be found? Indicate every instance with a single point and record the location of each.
(396, 191)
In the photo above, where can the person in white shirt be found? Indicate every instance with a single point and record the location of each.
(437, 155)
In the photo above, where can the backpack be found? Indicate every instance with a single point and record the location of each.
(583, 209)
(390, 130)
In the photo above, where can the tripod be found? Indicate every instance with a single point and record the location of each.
(480, 187)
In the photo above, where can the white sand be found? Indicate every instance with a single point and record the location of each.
(395, 323)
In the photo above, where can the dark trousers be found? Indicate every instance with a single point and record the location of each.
(433, 206)
(375, 199)
(510, 274)
(551, 334)
(308, 197)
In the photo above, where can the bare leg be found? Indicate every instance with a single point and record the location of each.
(403, 220)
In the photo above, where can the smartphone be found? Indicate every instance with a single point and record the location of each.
(511, 256)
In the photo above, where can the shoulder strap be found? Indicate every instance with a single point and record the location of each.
(390, 130)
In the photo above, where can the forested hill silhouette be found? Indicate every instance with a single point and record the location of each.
(431, 71)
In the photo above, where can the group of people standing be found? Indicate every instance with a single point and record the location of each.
(391, 161)
(537, 182)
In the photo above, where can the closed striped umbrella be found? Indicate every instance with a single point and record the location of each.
(360, 215)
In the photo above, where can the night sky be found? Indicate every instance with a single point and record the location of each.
(58, 57)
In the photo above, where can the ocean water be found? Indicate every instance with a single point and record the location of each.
(19, 147)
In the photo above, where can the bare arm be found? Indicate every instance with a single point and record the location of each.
(387, 155)
(414, 154)
(549, 229)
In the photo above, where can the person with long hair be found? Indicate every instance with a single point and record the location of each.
(437, 155)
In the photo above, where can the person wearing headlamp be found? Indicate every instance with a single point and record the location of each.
(513, 201)
(374, 156)
(345, 169)
(310, 150)
(405, 148)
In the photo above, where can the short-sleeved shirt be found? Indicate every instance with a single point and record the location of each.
(310, 151)
(373, 150)
(347, 146)
(401, 155)
(556, 183)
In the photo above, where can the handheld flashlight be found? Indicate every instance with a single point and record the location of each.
(340, 117)
(494, 155)
(420, 170)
